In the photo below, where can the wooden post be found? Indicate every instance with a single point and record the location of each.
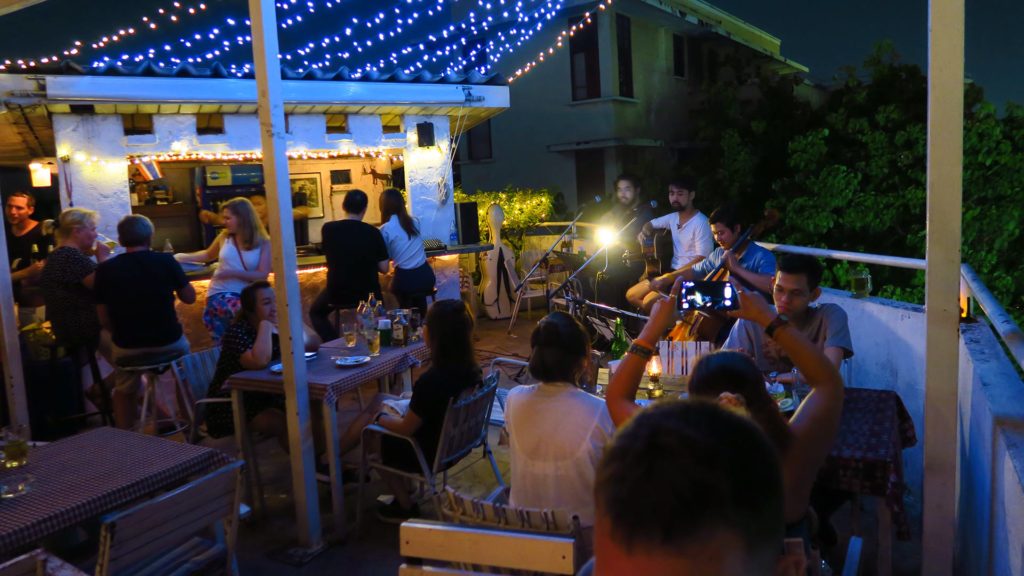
(10, 353)
(275, 173)
(942, 282)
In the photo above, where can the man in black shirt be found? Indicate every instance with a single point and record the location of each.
(613, 281)
(355, 254)
(23, 233)
(135, 295)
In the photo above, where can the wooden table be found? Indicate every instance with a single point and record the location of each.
(85, 476)
(327, 384)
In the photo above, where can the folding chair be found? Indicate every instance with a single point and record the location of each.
(162, 535)
(464, 429)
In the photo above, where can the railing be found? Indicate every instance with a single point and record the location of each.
(970, 285)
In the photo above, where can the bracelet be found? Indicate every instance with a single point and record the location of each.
(641, 349)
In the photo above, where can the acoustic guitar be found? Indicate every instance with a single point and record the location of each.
(707, 325)
(648, 254)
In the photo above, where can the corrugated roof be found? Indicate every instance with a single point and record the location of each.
(217, 70)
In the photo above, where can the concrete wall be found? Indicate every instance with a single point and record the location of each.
(888, 340)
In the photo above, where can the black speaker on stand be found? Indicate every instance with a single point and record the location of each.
(467, 221)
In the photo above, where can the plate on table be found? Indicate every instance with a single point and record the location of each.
(279, 367)
(787, 404)
(350, 361)
(15, 484)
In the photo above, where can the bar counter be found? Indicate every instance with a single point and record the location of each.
(312, 273)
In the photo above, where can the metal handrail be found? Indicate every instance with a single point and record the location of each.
(1008, 330)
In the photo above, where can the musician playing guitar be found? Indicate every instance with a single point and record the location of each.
(691, 241)
(751, 269)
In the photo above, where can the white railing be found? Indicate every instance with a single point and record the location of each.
(970, 285)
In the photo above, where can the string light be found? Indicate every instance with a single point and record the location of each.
(256, 155)
(147, 22)
(559, 43)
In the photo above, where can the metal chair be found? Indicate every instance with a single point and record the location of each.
(464, 430)
(162, 535)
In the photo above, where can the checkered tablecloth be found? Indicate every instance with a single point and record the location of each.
(867, 456)
(328, 382)
(93, 473)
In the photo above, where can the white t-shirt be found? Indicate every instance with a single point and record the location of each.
(557, 434)
(232, 258)
(407, 253)
(690, 240)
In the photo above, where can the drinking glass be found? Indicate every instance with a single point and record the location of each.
(350, 330)
(15, 445)
(373, 342)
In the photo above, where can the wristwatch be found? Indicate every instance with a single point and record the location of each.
(779, 321)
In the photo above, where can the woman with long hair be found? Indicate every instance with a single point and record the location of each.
(414, 279)
(251, 343)
(448, 333)
(734, 381)
(557, 432)
(243, 252)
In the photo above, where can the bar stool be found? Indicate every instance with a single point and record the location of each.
(153, 365)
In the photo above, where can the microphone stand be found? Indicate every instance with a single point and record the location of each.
(520, 288)
(591, 259)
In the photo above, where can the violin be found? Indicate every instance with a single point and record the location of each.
(705, 325)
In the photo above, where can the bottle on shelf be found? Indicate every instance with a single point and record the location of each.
(619, 342)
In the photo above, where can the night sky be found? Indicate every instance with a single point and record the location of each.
(821, 34)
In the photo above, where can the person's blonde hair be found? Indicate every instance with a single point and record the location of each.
(251, 232)
(75, 218)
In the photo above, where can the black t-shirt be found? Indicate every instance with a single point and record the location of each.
(430, 397)
(138, 290)
(353, 249)
(20, 247)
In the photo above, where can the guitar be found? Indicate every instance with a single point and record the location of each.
(648, 254)
(706, 326)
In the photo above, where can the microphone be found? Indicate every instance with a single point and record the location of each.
(597, 200)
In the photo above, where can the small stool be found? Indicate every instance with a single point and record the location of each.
(153, 365)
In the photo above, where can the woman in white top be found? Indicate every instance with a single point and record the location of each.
(243, 252)
(557, 432)
(414, 279)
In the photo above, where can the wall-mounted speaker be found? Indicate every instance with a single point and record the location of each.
(425, 134)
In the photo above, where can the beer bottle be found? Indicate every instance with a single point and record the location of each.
(619, 342)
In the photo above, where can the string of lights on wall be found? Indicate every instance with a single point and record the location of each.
(254, 156)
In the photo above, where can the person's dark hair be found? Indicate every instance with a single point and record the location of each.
(727, 215)
(631, 178)
(450, 336)
(249, 298)
(393, 204)
(687, 183)
(682, 470)
(355, 201)
(736, 373)
(804, 264)
(28, 196)
(559, 347)
(135, 230)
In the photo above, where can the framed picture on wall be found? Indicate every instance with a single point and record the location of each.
(307, 187)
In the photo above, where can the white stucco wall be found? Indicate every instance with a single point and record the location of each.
(425, 169)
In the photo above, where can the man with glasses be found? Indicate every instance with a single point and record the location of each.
(794, 290)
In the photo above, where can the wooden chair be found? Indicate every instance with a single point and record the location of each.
(447, 546)
(38, 563)
(464, 430)
(162, 535)
(492, 512)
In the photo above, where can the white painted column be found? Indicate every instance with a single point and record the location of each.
(10, 352)
(942, 277)
(275, 170)
(96, 168)
(425, 169)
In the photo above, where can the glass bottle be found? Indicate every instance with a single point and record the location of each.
(619, 342)
(399, 329)
(36, 254)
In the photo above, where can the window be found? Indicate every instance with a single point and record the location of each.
(337, 123)
(480, 142)
(391, 124)
(679, 56)
(209, 124)
(624, 48)
(695, 60)
(136, 124)
(583, 62)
